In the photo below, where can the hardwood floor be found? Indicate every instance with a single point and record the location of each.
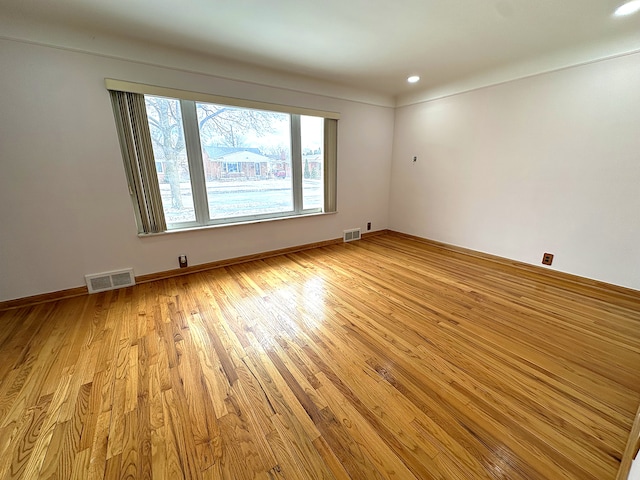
(383, 358)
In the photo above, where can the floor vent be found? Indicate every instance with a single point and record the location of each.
(351, 235)
(99, 282)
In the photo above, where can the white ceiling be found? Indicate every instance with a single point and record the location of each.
(368, 44)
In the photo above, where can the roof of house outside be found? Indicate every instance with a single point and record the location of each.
(215, 152)
(243, 156)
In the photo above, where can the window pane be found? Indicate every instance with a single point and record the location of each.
(167, 137)
(311, 130)
(247, 160)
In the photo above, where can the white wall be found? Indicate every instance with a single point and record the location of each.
(546, 164)
(64, 205)
(549, 163)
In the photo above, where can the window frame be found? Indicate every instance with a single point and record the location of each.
(188, 107)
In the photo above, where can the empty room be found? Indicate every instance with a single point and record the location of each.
(320, 240)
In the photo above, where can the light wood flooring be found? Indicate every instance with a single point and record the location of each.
(383, 358)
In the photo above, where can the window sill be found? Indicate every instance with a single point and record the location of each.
(234, 224)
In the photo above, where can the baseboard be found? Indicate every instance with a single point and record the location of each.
(43, 298)
(152, 277)
(594, 288)
(375, 234)
(77, 291)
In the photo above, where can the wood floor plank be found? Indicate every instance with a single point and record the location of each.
(99, 445)
(384, 358)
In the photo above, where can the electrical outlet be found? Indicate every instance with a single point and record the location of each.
(547, 259)
(182, 261)
(368, 225)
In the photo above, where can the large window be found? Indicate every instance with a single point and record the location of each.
(221, 162)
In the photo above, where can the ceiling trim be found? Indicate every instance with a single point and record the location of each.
(117, 48)
(498, 77)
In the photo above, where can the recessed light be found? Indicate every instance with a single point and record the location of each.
(628, 8)
(413, 79)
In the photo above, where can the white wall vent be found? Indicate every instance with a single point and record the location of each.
(99, 282)
(351, 235)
